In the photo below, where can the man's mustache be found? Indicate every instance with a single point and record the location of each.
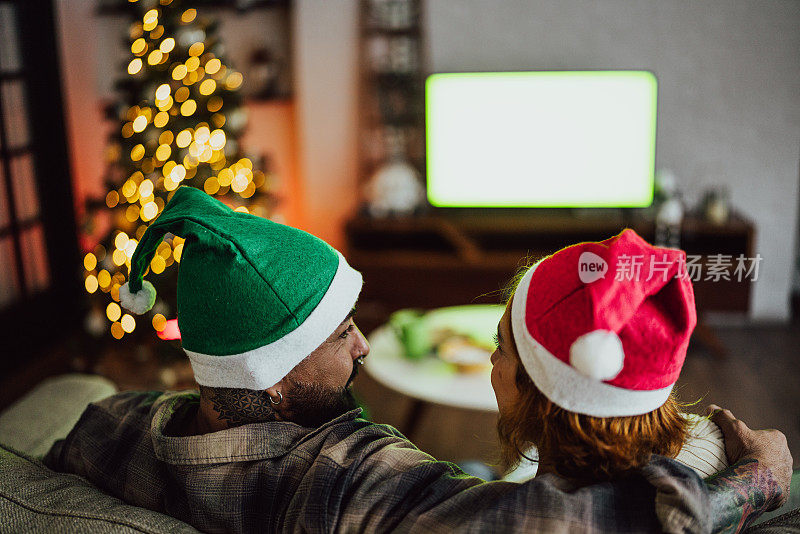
(353, 375)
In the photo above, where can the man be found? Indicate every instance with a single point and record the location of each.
(272, 444)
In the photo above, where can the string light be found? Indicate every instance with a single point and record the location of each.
(140, 123)
(134, 66)
(117, 331)
(166, 137)
(178, 73)
(130, 248)
(161, 119)
(225, 177)
(178, 173)
(188, 15)
(112, 199)
(218, 119)
(181, 94)
(239, 183)
(163, 152)
(165, 105)
(103, 278)
(249, 190)
(118, 257)
(149, 212)
(158, 264)
(89, 262)
(167, 45)
(188, 107)
(212, 66)
(159, 322)
(234, 80)
(207, 87)
(192, 64)
(170, 184)
(155, 57)
(139, 46)
(191, 78)
(121, 240)
(162, 92)
(150, 20)
(113, 311)
(137, 152)
(217, 139)
(146, 188)
(91, 283)
(132, 213)
(211, 186)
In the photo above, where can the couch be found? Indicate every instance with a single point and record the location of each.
(36, 499)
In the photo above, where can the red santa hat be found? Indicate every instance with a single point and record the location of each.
(602, 328)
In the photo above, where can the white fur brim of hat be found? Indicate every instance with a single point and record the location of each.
(265, 366)
(565, 385)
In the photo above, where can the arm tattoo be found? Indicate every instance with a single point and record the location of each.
(740, 494)
(239, 406)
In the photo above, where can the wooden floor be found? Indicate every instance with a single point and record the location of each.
(759, 382)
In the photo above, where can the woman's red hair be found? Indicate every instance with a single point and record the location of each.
(583, 447)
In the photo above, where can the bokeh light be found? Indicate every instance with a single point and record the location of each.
(188, 15)
(113, 311)
(134, 66)
(91, 283)
(159, 322)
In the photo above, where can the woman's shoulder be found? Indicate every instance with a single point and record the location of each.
(704, 448)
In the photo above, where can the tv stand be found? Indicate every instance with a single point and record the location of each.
(447, 259)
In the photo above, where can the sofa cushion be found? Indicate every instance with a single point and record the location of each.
(34, 498)
(49, 411)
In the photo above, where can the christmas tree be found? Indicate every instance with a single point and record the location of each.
(180, 116)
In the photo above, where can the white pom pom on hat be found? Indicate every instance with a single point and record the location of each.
(139, 302)
(597, 354)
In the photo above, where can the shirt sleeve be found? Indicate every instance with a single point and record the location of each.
(384, 483)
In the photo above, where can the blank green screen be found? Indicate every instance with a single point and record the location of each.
(541, 139)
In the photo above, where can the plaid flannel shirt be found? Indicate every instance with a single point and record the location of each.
(349, 475)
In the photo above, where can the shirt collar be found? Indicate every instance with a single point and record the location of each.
(255, 441)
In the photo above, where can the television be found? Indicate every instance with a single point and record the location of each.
(545, 139)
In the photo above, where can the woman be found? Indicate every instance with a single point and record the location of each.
(588, 353)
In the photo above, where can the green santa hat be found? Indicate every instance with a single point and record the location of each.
(254, 297)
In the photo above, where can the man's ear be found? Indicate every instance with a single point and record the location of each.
(277, 391)
(277, 399)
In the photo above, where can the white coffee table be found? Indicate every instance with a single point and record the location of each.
(429, 380)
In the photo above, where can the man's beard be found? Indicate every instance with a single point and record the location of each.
(314, 404)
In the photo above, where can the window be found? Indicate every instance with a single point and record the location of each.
(39, 259)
